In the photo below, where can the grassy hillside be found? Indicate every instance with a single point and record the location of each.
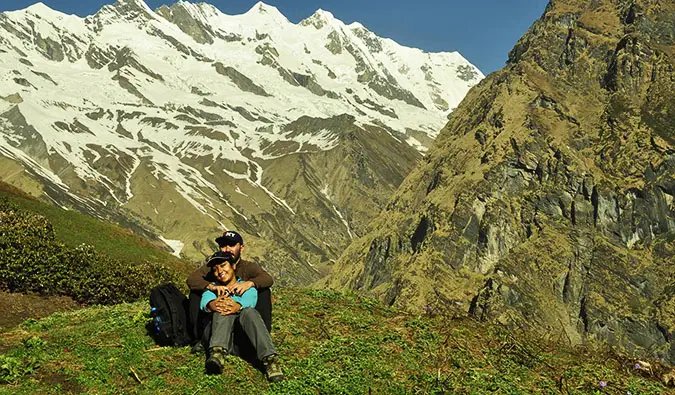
(330, 343)
(40, 254)
(73, 229)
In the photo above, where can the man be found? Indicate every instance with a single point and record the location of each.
(230, 308)
(202, 279)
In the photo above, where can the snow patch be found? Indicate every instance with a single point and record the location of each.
(175, 245)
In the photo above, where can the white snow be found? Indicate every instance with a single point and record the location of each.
(344, 221)
(325, 191)
(175, 245)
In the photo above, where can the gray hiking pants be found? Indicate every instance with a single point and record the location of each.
(222, 327)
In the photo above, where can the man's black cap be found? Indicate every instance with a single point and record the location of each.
(229, 238)
(220, 257)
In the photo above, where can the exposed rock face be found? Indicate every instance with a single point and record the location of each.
(547, 200)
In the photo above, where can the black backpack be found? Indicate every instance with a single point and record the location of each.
(169, 311)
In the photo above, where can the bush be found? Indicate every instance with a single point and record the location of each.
(32, 260)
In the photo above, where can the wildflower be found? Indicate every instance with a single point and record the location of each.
(603, 383)
(637, 366)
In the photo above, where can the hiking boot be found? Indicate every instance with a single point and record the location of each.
(272, 369)
(197, 348)
(216, 360)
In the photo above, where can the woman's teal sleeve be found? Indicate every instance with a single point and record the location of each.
(208, 296)
(249, 298)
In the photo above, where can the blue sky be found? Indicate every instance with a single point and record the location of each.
(483, 31)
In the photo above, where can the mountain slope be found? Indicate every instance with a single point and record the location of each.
(74, 229)
(183, 122)
(547, 200)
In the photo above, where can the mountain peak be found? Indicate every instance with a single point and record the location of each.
(44, 10)
(357, 26)
(39, 8)
(184, 9)
(323, 14)
(130, 9)
(321, 18)
(267, 11)
(132, 3)
(203, 9)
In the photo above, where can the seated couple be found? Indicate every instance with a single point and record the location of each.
(229, 295)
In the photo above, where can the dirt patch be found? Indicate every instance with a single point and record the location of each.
(67, 384)
(16, 308)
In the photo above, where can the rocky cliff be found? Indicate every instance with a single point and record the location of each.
(547, 200)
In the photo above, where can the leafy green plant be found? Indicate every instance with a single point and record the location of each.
(10, 369)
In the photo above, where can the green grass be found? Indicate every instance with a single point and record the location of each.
(329, 343)
(74, 228)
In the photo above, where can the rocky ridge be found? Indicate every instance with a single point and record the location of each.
(547, 201)
(184, 121)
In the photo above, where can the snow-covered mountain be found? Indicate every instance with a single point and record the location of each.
(184, 121)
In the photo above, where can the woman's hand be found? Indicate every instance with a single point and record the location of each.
(219, 290)
(225, 306)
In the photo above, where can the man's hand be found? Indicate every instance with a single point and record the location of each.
(219, 290)
(240, 288)
(224, 305)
